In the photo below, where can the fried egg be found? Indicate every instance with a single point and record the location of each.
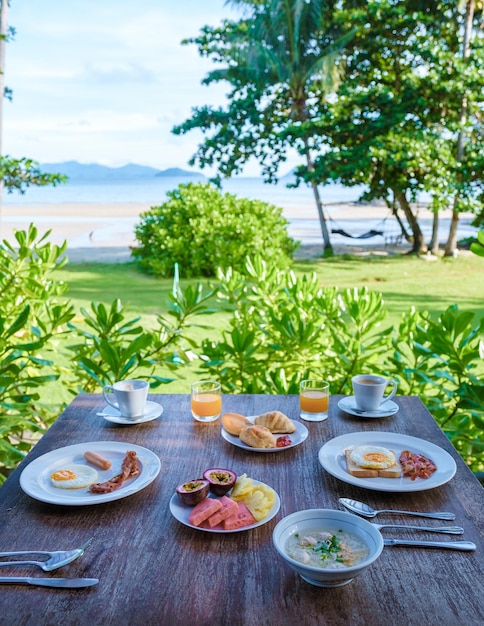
(372, 457)
(73, 477)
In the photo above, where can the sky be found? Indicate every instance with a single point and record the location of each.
(105, 81)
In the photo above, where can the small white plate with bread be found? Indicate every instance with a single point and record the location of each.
(263, 433)
(340, 457)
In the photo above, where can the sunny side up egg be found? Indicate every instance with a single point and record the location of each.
(372, 457)
(73, 477)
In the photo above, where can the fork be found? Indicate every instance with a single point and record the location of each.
(55, 559)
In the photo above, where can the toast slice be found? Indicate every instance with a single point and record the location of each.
(394, 471)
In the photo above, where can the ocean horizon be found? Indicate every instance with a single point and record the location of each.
(297, 204)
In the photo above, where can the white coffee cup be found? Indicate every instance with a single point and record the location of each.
(130, 395)
(369, 389)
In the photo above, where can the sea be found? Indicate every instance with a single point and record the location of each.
(297, 204)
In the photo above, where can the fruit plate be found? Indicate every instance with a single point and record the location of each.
(297, 437)
(181, 512)
(332, 458)
(35, 481)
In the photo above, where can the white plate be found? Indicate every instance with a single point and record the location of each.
(181, 512)
(35, 479)
(348, 405)
(297, 437)
(332, 458)
(152, 411)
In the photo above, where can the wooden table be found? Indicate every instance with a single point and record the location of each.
(154, 570)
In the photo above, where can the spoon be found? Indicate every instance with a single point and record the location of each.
(372, 411)
(363, 509)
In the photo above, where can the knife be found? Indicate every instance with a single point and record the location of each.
(452, 545)
(65, 583)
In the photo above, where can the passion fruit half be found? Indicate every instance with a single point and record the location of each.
(221, 480)
(193, 491)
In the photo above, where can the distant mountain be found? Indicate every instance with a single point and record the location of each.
(176, 172)
(94, 171)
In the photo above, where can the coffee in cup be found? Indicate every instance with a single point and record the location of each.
(369, 391)
(130, 397)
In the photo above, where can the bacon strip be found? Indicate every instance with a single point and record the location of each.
(416, 465)
(130, 468)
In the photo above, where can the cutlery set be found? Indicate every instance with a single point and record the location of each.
(366, 511)
(54, 560)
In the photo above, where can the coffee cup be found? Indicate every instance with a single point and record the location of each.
(130, 397)
(369, 391)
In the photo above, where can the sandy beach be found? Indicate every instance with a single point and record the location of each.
(105, 231)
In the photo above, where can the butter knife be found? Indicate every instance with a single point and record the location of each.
(65, 583)
(451, 545)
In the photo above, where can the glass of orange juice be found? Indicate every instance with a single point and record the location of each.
(314, 400)
(206, 400)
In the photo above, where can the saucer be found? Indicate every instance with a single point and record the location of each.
(152, 411)
(348, 405)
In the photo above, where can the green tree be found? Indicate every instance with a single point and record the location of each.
(396, 120)
(281, 61)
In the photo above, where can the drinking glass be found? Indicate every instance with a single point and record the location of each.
(206, 400)
(314, 400)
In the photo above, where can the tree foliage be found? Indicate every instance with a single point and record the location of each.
(18, 174)
(280, 60)
(409, 98)
(395, 122)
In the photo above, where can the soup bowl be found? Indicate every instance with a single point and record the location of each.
(331, 521)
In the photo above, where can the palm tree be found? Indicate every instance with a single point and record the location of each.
(291, 49)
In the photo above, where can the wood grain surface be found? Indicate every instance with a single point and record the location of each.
(153, 570)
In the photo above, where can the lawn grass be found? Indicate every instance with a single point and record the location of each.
(404, 282)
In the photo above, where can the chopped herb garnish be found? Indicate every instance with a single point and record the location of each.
(328, 547)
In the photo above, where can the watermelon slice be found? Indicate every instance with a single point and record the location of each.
(203, 511)
(229, 507)
(243, 517)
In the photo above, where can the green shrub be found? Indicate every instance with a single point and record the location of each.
(477, 247)
(113, 348)
(284, 329)
(202, 229)
(31, 321)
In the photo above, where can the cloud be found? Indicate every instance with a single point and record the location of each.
(107, 72)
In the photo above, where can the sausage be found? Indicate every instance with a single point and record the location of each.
(97, 459)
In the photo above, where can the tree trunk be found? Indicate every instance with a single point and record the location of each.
(434, 240)
(451, 245)
(3, 36)
(418, 238)
(401, 224)
(327, 247)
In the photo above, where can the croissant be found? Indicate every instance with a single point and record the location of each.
(276, 422)
(234, 422)
(258, 437)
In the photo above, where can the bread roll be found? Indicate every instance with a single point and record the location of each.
(234, 422)
(258, 437)
(276, 422)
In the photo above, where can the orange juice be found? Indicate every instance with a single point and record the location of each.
(314, 401)
(206, 404)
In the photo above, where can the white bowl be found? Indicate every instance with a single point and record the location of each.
(327, 519)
